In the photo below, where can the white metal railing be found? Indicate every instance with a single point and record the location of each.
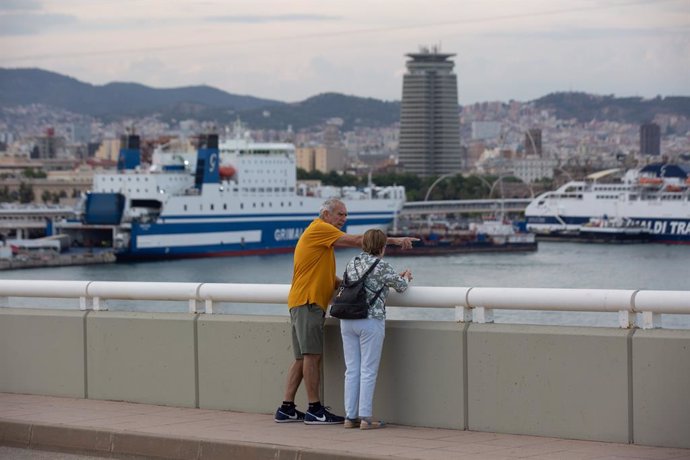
(470, 304)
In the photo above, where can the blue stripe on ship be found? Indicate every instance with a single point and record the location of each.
(551, 220)
(268, 244)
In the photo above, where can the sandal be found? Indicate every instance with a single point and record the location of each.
(367, 425)
(352, 423)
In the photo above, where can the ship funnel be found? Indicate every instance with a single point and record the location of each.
(207, 161)
(130, 155)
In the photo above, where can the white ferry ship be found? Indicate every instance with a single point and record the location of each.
(236, 198)
(655, 197)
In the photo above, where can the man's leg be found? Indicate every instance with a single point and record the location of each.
(311, 370)
(309, 320)
(287, 412)
(294, 378)
(311, 344)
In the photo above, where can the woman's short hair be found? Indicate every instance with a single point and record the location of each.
(373, 241)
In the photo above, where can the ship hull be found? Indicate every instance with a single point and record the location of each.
(461, 248)
(488, 236)
(236, 236)
(662, 230)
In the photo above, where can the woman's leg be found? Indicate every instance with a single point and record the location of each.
(371, 342)
(351, 350)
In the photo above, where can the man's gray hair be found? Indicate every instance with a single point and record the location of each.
(328, 205)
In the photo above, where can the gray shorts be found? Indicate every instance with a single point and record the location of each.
(307, 329)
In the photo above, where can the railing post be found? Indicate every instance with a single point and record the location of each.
(483, 315)
(84, 303)
(193, 306)
(195, 303)
(99, 304)
(626, 319)
(463, 314)
(651, 320)
(208, 306)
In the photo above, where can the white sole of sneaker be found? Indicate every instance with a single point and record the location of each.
(323, 423)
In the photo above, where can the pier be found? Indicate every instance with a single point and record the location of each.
(52, 259)
(470, 380)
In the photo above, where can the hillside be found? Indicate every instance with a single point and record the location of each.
(32, 86)
(585, 107)
(354, 111)
(118, 100)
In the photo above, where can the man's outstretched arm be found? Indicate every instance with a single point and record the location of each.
(349, 241)
(404, 242)
(355, 241)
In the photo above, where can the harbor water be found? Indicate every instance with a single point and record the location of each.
(554, 265)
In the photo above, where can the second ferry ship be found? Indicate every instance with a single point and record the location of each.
(655, 197)
(233, 198)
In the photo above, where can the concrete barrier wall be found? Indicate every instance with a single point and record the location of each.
(661, 387)
(142, 357)
(549, 381)
(583, 383)
(42, 352)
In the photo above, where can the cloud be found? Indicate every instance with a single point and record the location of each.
(32, 24)
(276, 18)
(20, 5)
(590, 33)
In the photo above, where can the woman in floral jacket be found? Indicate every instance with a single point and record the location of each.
(363, 338)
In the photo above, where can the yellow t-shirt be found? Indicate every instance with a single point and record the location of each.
(313, 280)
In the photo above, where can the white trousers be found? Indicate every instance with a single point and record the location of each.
(362, 345)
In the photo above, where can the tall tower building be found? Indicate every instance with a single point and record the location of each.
(650, 139)
(429, 123)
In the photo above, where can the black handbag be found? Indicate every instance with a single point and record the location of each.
(350, 301)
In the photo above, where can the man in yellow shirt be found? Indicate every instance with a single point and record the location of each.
(313, 283)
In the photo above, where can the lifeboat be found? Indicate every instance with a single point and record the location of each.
(674, 188)
(651, 181)
(227, 171)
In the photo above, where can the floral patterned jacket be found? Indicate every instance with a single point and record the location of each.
(381, 278)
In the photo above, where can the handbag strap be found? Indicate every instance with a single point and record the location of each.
(378, 293)
(364, 276)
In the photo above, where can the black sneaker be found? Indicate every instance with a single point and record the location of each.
(287, 416)
(322, 417)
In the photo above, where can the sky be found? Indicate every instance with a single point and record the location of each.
(291, 50)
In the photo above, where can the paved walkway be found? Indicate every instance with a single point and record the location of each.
(120, 429)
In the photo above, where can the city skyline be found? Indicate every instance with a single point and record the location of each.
(505, 50)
